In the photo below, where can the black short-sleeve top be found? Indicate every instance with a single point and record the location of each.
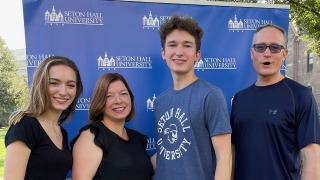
(46, 160)
(122, 159)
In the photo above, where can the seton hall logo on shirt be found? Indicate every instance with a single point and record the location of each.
(171, 127)
(242, 25)
(72, 17)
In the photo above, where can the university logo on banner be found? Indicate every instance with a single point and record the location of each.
(214, 63)
(153, 22)
(150, 103)
(151, 144)
(240, 25)
(83, 103)
(72, 17)
(34, 60)
(123, 61)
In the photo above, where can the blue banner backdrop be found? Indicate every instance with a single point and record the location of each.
(122, 36)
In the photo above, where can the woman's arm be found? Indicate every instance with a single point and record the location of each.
(86, 157)
(16, 160)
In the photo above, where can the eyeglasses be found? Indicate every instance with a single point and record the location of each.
(274, 48)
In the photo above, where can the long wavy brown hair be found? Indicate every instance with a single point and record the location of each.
(39, 101)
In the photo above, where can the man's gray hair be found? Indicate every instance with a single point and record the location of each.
(273, 26)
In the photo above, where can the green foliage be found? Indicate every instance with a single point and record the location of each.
(14, 88)
(3, 132)
(306, 15)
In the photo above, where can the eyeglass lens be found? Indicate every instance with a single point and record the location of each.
(274, 48)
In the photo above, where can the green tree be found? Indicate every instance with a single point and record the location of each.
(306, 15)
(13, 87)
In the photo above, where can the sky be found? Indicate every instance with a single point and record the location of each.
(11, 24)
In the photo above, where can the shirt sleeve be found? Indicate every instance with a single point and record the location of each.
(308, 125)
(217, 113)
(100, 139)
(26, 130)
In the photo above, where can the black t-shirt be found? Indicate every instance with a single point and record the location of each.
(46, 160)
(122, 160)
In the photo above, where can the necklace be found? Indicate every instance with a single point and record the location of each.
(52, 125)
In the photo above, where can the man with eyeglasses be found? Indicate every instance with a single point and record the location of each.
(275, 124)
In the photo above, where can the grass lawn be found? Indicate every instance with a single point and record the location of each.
(3, 132)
